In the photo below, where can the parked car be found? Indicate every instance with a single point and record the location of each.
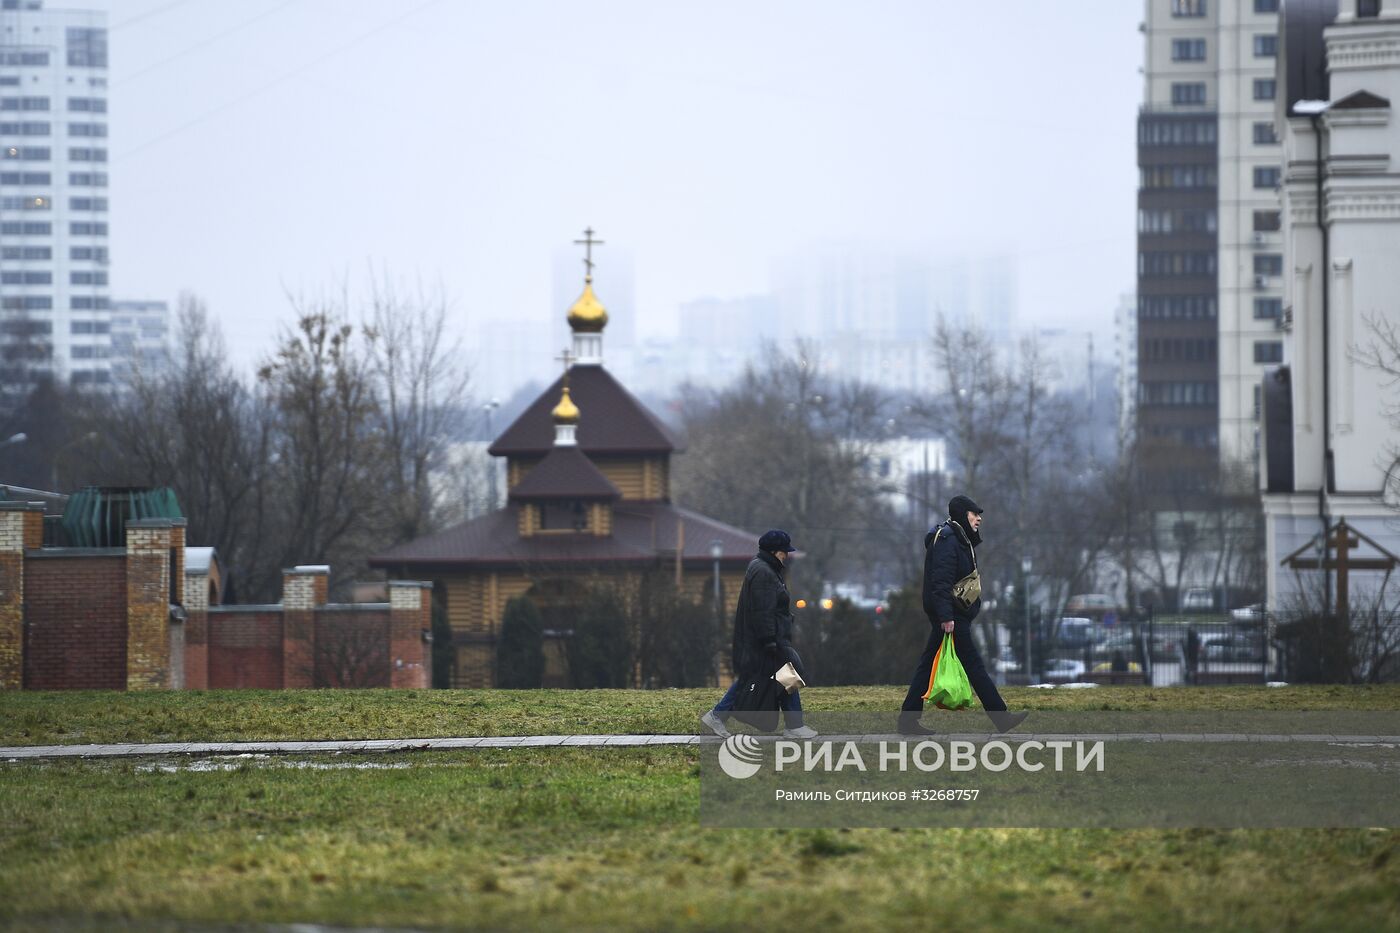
(1005, 662)
(1077, 633)
(1066, 669)
(1198, 599)
(1253, 613)
(1234, 647)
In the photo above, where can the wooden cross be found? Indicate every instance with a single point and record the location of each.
(1343, 540)
(568, 359)
(588, 243)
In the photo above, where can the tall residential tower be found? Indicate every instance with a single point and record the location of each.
(1209, 256)
(54, 300)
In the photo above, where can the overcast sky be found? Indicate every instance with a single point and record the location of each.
(274, 145)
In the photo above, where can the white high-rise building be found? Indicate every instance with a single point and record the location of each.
(141, 338)
(1125, 355)
(1210, 254)
(54, 300)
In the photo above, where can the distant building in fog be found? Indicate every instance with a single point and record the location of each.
(141, 337)
(1125, 356)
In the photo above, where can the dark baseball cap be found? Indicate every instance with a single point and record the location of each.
(959, 506)
(776, 540)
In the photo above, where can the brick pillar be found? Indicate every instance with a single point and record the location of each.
(152, 584)
(196, 604)
(410, 614)
(303, 589)
(21, 528)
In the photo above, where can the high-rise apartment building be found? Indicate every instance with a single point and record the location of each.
(1209, 255)
(54, 300)
(141, 338)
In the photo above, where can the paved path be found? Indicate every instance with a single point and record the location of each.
(28, 752)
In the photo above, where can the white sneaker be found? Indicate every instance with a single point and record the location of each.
(715, 724)
(801, 732)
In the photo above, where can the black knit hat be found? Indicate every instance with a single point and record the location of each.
(959, 506)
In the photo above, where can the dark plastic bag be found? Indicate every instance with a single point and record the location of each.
(758, 701)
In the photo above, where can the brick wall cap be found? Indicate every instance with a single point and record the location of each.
(421, 584)
(8, 506)
(252, 607)
(309, 570)
(353, 607)
(156, 523)
(75, 552)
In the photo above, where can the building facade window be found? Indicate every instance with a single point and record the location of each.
(1264, 134)
(26, 253)
(91, 327)
(24, 103)
(85, 154)
(87, 129)
(88, 253)
(1178, 176)
(1264, 88)
(87, 278)
(1268, 264)
(29, 303)
(23, 58)
(1176, 307)
(25, 228)
(1267, 221)
(1258, 403)
(83, 228)
(1191, 132)
(25, 178)
(26, 277)
(1368, 8)
(87, 48)
(39, 203)
(87, 104)
(1266, 176)
(87, 204)
(1266, 6)
(1189, 92)
(1187, 220)
(24, 129)
(1165, 265)
(1268, 351)
(25, 153)
(1188, 7)
(88, 303)
(88, 179)
(1177, 394)
(1268, 309)
(1196, 350)
(1266, 46)
(1188, 50)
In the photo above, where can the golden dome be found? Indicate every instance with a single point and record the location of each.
(588, 316)
(566, 412)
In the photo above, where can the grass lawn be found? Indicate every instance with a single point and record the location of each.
(73, 717)
(578, 838)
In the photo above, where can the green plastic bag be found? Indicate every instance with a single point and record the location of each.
(947, 681)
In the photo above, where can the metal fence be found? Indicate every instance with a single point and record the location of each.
(1163, 651)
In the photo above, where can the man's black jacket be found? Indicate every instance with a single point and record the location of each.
(946, 561)
(764, 614)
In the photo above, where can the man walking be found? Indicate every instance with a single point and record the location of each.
(950, 556)
(763, 633)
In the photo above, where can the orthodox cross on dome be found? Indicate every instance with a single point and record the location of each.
(588, 243)
(568, 359)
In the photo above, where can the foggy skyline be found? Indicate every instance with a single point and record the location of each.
(285, 145)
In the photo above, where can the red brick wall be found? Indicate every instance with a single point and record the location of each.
(352, 648)
(76, 632)
(245, 649)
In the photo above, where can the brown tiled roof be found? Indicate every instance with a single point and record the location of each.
(613, 421)
(642, 532)
(565, 473)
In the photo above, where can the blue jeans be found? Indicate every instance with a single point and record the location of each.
(791, 702)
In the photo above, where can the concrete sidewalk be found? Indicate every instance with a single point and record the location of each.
(32, 752)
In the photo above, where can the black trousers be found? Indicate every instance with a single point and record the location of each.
(971, 660)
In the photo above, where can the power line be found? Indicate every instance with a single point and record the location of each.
(149, 14)
(275, 82)
(205, 43)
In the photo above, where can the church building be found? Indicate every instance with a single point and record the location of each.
(589, 477)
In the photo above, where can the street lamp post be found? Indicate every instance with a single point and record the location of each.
(1026, 597)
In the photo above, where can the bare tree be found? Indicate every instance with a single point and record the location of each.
(423, 389)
